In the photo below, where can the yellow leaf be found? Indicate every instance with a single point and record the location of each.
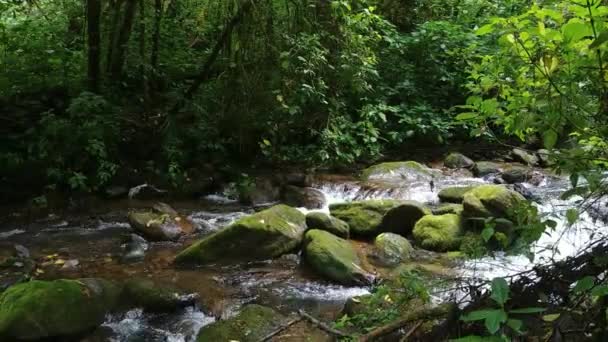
(59, 262)
(551, 317)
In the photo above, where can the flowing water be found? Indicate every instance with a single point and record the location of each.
(95, 240)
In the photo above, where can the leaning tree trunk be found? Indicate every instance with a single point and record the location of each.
(122, 41)
(94, 41)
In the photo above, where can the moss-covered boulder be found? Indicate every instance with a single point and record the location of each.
(364, 217)
(525, 157)
(454, 194)
(327, 223)
(267, 234)
(334, 258)
(448, 208)
(392, 249)
(402, 171)
(439, 233)
(484, 168)
(458, 161)
(162, 224)
(516, 174)
(491, 201)
(372, 217)
(54, 309)
(252, 324)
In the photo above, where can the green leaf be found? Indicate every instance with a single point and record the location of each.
(487, 233)
(575, 31)
(527, 310)
(601, 39)
(489, 28)
(584, 284)
(494, 320)
(515, 324)
(549, 139)
(466, 116)
(500, 291)
(571, 216)
(478, 315)
(600, 291)
(473, 338)
(551, 317)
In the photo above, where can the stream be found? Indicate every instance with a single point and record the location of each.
(95, 240)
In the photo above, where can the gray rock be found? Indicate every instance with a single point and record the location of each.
(303, 197)
(135, 249)
(458, 161)
(525, 157)
(484, 168)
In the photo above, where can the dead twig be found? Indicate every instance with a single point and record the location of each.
(281, 329)
(322, 325)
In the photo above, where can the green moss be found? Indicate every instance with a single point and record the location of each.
(333, 257)
(267, 234)
(454, 194)
(392, 249)
(42, 309)
(252, 324)
(491, 201)
(397, 169)
(448, 208)
(438, 232)
(327, 223)
(364, 217)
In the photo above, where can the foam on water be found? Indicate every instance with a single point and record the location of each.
(7, 234)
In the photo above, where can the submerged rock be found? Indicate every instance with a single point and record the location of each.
(135, 248)
(439, 233)
(454, 194)
(458, 161)
(145, 294)
(327, 223)
(267, 234)
(334, 258)
(491, 201)
(405, 171)
(392, 249)
(484, 168)
(525, 157)
(252, 324)
(372, 217)
(303, 197)
(51, 309)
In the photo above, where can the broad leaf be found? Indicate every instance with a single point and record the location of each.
(575, 31)
(527, 310)
(487, 233)
(494, 320)
(515, 324)
(571, 216)
(601, 39)
(584, 284)
(549, 139)
(500, 291)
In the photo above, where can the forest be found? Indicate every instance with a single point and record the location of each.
(303, 170)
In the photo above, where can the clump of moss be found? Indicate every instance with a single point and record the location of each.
(439, 232)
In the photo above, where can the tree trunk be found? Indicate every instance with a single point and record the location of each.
(158, 17)
(94, 40)
(122, 41)
(114, 28)
(142, 52)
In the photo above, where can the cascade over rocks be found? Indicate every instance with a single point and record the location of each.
(327, 223)
(267, 234)
(458, 161)
(334, 258)
(399, 172)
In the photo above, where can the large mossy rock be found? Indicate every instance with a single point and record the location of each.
(252, 324)
(145, 294)
(439, 233)
(403, 171)
(51, 309)
(392, 249)
(327, 223)
(458, 161)
(267, 234)
(454, 194)
(448, 208)
(484, 168)
(491, 201)
(334, 258)
(372, 217)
